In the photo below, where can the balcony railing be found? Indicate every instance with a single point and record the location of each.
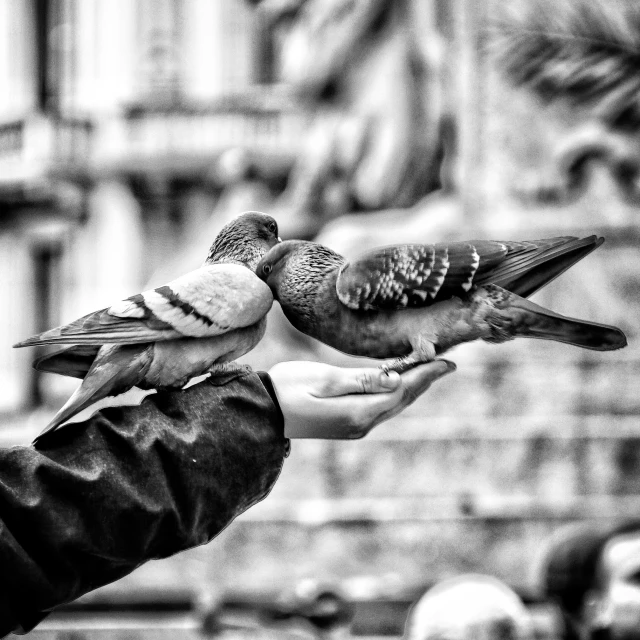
(30, 148)
(146, 137)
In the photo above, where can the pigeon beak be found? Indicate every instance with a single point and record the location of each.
(279, 239)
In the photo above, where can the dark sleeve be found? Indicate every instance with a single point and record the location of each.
(98, 498)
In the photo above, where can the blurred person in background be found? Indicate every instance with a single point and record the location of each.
(99, 498)
(593, 574)
(469, 607)
(313, 608)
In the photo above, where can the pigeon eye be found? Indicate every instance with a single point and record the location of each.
(273, 227)
(266, 269)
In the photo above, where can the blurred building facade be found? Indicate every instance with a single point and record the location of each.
(122, 125)
(113, 117)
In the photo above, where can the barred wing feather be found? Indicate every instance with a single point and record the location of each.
(418, 275)
(204, 303)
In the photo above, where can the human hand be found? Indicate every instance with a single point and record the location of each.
(323, 401)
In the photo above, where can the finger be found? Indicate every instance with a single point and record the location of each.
(417, 380)
(364, 380)
(414, 383)
(354, 415)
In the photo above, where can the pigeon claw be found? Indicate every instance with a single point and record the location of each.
(228, 369)
(399, 364)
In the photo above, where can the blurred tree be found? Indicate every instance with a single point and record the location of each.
(584, 56)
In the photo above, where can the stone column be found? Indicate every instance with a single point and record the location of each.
(17, 320)
(17, 58)
(106, 261)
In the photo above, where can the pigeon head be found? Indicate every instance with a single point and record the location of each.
(294, 268)
(286, 263)
(277, 262)
(244, 240)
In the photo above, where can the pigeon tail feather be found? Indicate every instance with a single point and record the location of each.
(74, 361)
(538, 322)
(84, 396)
(116, 369)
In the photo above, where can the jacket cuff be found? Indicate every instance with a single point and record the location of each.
(267, 382)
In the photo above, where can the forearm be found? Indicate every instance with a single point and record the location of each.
(131, 484)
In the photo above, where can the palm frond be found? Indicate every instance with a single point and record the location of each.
(586, 52)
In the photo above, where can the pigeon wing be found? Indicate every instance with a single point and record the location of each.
(74, 361)
(529, 266)
(417, 275)
(201, 304)
(414, 275)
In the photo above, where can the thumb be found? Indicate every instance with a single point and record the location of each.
(377, 381)
(362, 380)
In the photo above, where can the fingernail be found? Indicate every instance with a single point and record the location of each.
(451, 367)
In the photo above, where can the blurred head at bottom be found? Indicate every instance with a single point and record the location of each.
(469, 607)
(593, 574)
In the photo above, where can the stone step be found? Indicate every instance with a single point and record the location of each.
(599, 456)
(373, 558)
